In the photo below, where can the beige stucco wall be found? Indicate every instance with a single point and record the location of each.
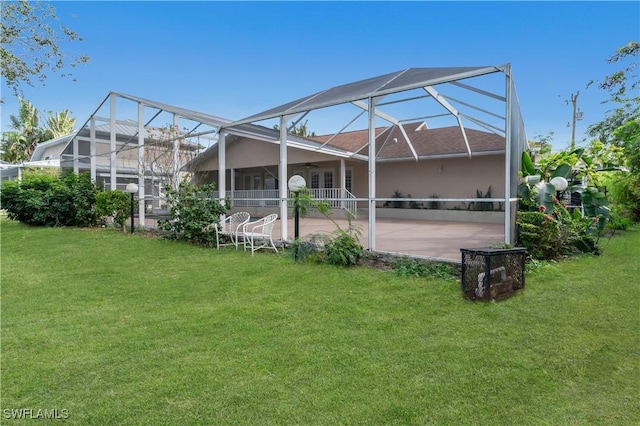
(444, 178)
(247, 153)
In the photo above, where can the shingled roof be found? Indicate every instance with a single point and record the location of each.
(428, 143)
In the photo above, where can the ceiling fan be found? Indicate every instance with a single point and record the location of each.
(310, 165)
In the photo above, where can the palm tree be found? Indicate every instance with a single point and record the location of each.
(18, 145)
(29, 133)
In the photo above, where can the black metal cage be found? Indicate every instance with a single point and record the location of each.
(489, 273)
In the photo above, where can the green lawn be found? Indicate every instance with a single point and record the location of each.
(122, 329)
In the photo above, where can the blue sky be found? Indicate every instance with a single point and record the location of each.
(234, 59)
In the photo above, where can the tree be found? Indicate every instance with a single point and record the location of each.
(618, 82)
(541, 146)
(18, 145)
(29, 45)
(60, 124)
(621, 129)
(618, 85)
(300, 130)
(160, 159)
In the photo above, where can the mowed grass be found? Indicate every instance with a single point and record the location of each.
(122, 329)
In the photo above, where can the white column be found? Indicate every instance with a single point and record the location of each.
(176, 152)
(343, 181)
(112, 139)
(92, 148)
(141, 166)
(372, 174)
(282, 179)
(222, 165)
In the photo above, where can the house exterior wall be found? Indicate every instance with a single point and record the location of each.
(247, 153)
(53, 152)
(443, 178)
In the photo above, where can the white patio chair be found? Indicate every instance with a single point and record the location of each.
(259, 230)
(231, 226)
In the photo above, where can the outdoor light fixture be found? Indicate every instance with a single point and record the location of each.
(296, 184)
(559, 183)
(132, 188)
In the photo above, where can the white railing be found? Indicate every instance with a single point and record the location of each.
(338, 198)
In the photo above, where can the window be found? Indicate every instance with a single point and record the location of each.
(321, 179)
(328, 179)
(348, 180)
(315, 180)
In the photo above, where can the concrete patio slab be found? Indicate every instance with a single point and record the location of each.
(418, 238)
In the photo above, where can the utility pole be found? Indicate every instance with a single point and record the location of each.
(577, 115)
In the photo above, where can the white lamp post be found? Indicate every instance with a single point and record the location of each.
(132, 188)
(559, 183)
(296, 183)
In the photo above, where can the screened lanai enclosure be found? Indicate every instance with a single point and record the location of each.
(129, 139)
(421, 143)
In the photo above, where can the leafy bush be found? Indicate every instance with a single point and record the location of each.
(194, 210)
(83, 193)
(115, 204)
(309, 248)
(408, 267)
(343, 248)
(45, 200)
(552, 234)
(618, 223)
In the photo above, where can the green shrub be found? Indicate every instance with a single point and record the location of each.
(343, 248)
(308, 249)
(115, 204)
(83, 193)
(552, 234)
(618, 223)
(408, 267)
(194, 210)
(45, 200)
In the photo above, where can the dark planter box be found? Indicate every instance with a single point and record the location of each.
(489, 273)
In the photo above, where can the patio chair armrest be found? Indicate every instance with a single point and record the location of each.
(253, 225)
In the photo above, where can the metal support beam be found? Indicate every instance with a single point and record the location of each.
(507, 159)
(390, 120)
(442, 101)
(112, 140)
(222, 166)
(342, 130)
(141, 166)
(176, 152)
(282, 179)
(92, 148)
(372, 174)
(76, 156)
